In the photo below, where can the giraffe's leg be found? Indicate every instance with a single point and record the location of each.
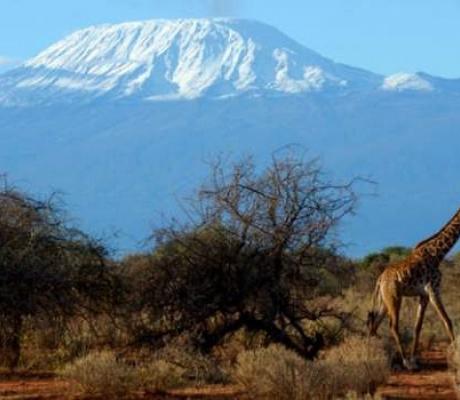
(393, 304)
(436, 301)
(418, 325)
(378, 318)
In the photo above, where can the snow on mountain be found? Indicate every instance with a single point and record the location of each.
(404, 81)
(171, 59)
(188, 59)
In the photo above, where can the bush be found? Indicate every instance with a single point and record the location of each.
(161, 375)
(100, 373)
(358, 364)
(173, 367)
(195, 366)
(277, 373)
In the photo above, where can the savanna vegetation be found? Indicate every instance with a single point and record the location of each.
(250, 289)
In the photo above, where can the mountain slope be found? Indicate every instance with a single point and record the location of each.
(176, 59)
(89, 117)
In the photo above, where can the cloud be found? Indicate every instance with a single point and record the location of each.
(7, 63)
(224, 7)
(183, 8)
(5, 60)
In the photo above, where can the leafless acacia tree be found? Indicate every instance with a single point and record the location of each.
(257, 249)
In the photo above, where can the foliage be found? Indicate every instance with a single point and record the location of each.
(48, 269)
(384, 257)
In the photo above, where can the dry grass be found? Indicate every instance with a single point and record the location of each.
(197, 368)
(358, 364)
(100, 373)
(276, 373)
(453, 357)
(177, 366)
(161, 375)
(357, 396)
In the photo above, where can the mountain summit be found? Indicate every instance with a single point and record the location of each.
(178, 59)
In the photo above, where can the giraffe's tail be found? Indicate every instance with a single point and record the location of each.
(376, 295)
(372, 315)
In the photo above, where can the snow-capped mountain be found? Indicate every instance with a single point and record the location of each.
(186, 59)
(164, 59)
(101, 115)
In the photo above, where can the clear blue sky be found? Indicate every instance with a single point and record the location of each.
(384, 36)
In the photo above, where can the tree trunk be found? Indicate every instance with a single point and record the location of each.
(309, 348)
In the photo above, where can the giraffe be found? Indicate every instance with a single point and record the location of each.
(418, 275)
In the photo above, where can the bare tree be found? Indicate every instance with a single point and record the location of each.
(256, 251)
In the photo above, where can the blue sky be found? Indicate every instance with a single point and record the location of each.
(384, 36)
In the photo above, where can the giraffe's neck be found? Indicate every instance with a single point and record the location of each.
(440, 243)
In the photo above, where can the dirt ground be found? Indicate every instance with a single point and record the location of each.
(433, 381)
(19, 386)
(46, 386)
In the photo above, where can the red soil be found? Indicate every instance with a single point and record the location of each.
(433, 381)
(23, 386)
